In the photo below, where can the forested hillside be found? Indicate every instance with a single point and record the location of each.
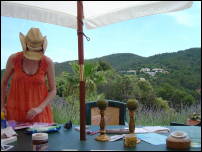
(184, 67)
(168, 84)
(189, 60)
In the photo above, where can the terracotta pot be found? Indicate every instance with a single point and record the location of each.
(192, 122)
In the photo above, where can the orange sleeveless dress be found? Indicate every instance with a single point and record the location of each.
(26, 92)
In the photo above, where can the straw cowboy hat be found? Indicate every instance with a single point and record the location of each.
(35, 43)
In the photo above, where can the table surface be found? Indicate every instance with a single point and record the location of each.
(70, 140)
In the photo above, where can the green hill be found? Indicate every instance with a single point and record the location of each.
(184, 68)
(187, 59)
(123, 61)
(60, 67)
(184, 65)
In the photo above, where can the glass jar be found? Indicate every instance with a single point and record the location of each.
(40, 141)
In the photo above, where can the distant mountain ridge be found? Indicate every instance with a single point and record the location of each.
(189, 58)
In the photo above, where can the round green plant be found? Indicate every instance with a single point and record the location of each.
(132, 104)
(195, 116)
(102, 104)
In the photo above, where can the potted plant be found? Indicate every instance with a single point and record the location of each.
(194, 119)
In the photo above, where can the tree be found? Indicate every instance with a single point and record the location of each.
(92, 76)
(166, 91)
(103, 66)
(146, 93)
(160, 104)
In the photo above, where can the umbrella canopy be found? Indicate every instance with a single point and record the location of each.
(96, 13)
(93, 14)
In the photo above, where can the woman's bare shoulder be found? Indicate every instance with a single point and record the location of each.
(11, 57)
(10, 61)
(49, 61)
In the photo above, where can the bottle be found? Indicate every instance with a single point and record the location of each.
(40, 141)
(3, 121)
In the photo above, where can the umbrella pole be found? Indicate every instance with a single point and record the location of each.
(81, 66)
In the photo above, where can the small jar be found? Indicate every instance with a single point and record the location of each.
(130, 140)
(178, 140)
(40, 141)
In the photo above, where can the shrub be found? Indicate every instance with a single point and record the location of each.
(161, 104)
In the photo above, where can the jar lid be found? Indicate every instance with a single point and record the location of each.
(179, 134)
(39, 136)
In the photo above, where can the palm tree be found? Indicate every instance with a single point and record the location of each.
(92, 76)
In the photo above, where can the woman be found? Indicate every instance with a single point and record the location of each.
(29, 97)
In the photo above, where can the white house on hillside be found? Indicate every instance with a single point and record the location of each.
(151, 73)
(131, 71)
(145, 70)
(158, 70)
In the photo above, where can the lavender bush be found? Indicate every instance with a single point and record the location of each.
(65, 109)
(145, 117)
(68, 109)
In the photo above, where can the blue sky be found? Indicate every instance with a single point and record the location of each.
(145, 36)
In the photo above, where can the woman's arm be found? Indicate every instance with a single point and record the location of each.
(51, 83)
(51, 94)
(4, 82)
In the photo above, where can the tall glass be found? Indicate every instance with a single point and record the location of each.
(195, 135)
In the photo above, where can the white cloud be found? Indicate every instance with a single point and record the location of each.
(183, 18)
(190, 17)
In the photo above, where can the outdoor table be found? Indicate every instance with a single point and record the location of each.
(68, 139)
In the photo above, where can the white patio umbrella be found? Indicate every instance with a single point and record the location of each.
(92, 14)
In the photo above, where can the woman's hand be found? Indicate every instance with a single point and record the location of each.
(33, 112)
